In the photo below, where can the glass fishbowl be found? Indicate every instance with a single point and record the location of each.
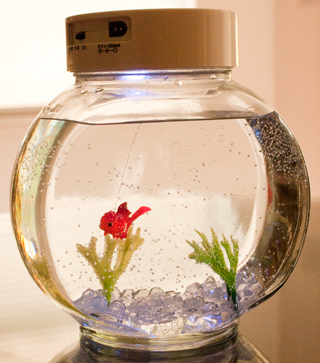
(156, 200)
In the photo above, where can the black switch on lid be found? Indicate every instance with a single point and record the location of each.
(81, 35)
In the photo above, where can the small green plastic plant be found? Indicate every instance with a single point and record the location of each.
(102, 264)
(212, 255)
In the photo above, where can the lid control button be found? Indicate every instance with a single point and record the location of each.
(117, 29)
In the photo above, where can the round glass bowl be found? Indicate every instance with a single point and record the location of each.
(158, 207)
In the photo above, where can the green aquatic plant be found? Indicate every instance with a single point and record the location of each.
(211, 254)
(101, 265)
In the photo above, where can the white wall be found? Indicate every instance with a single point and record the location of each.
(297, 60)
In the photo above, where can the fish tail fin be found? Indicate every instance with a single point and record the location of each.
(139, 212)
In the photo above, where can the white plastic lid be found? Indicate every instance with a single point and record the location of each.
(152, 39)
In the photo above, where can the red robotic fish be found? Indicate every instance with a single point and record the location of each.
(118, 223)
